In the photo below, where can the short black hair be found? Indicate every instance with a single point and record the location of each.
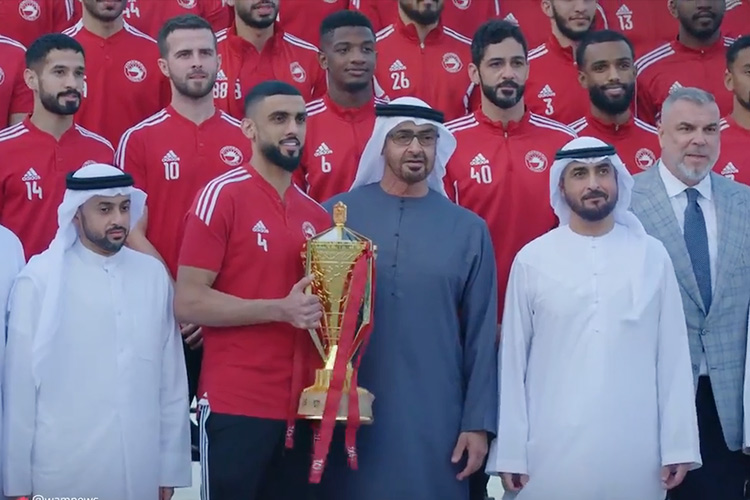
(268, 88)
(600, 36)
(343, 19)
(734, 50)
(183, 22)
(42, 46)
(492, 32)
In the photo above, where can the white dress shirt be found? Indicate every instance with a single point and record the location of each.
(677, 196)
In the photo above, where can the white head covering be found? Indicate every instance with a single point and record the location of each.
(588, 146)
(47, 267)
(372, 162)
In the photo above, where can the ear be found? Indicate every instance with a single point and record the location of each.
(31, 79)
(474, 74)
(546, 6)
(582, 79)
(323, 60)
(672, 7)
(163, 66)
(250, 129)
(728, 81)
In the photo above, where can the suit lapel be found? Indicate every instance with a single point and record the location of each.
(661, 219)
(729, 213)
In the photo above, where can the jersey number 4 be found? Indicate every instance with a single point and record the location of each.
(33, 189)
(262, 242)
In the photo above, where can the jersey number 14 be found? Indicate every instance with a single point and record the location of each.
(33, 189)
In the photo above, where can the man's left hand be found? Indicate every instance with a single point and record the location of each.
(165, 493)
(473, 443)
(672, 475)
(192, 335)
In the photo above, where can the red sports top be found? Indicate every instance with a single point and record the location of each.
(302, 18)
(646, 23)
(27, 20)
(671, 66)
(32, 177)
(336, 138)
(171, 159)
(435, 71)
(148, 16)
(284, 57)
(736, 20)
(15, 96)
(502, 175)
(465, 16)
(123, 82)
(552, 89)
(636, 142)
(534, 24)
(734, 162)
(240, 228)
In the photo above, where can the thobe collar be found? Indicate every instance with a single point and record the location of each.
(567, 53)
(675, 186)
(97, 260)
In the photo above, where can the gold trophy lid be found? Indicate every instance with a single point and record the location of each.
(339, 214)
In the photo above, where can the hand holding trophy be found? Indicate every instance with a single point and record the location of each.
(341, 262)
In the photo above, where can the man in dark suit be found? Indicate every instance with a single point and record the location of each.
(703, 219)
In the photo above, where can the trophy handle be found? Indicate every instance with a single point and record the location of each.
(313, 333)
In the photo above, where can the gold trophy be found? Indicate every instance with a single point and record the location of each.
(333, 257)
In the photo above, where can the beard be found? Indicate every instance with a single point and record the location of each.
(568, 33)
(695, 175)
(102, 241)
(502, 102)
(258, 23)
(700, 33)
(422, 18)
(51, 102)
(409, 176)
(273, 154)
(184, 88)
(612, 106)
(744, 103)
(592, 214)
(354, 87)
(103, 14)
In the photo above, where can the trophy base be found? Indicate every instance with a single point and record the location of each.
(313, 402)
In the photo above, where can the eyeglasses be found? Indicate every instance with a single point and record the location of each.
(405, 137)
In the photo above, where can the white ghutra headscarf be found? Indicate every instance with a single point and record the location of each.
(46, 269)
(389, 116)
(591, 151)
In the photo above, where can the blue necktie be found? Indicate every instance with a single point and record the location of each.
(696, 239)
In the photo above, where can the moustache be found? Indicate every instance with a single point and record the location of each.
(418, 157)
(508, 85)
(74, 93)
(116, 229)
(595, 194)
(263, 4)
(703, 14)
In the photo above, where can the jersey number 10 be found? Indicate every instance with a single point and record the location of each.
(171, 170)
